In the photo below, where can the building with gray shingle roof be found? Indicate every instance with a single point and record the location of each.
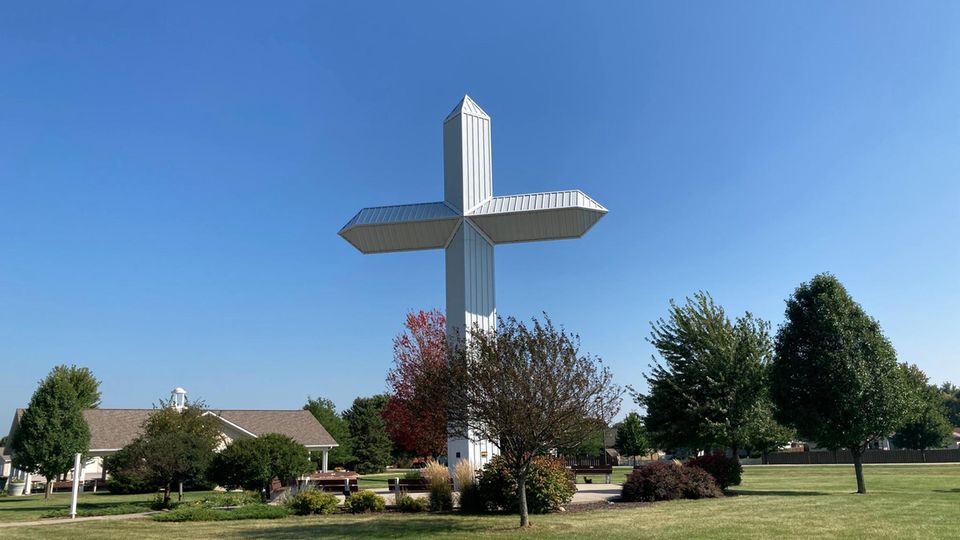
(112, 429)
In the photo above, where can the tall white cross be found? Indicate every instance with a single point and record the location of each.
(467, 224)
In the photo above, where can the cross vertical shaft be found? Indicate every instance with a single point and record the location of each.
(468, 182)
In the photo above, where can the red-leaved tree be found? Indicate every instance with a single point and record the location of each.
(416, 414)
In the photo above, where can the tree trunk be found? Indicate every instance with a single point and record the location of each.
(166, 495)
(48, 489)
(524, 516)
(923, 455)
(858, 468)
(735, 452)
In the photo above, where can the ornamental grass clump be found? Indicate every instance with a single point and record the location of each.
(441, 494)
(471, 500)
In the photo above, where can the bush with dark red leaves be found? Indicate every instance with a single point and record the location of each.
(699, 484)
(726, 471)
(666, 481)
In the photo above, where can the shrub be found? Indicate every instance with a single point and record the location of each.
(654, 482)
(549, 486)
(313, 502)
(699, 484)
(230, 498)
(668, 481)
(726, 471)
(199, 513)
(406, 503)
(471, 499)
(412, 475)
(365, 501)
(441, 497)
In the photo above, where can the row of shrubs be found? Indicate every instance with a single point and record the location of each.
(549, 486)
(703, 477)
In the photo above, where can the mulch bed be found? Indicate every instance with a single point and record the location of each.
(603, 505)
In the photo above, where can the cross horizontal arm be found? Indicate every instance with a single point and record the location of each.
(537, 216)
(405, 227)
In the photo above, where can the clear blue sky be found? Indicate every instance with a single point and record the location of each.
(173, 176)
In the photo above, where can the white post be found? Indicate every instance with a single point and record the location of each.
(77, 471)
(28, 484)
(326, 452)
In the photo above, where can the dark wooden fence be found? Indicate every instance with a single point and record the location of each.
(870, 456)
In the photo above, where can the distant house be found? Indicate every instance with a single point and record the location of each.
(112, 429)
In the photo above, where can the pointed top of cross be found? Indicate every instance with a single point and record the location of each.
(466, 106)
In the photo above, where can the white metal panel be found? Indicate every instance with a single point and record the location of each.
(470, 282)
(467, 106)
(467, 160)
(400, 236)
(538, 201)
(379, 215)
(529, 226)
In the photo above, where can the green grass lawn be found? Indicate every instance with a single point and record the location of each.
(904, 501)
(35, 507)
(379, 480)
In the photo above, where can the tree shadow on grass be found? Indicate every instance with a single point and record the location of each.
(376, 528)
(750, 492)
(954, 490)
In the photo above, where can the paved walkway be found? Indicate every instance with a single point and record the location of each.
(63, 521)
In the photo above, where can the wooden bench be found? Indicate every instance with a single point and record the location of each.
(410, 485)
(600, 470)
(336, 485)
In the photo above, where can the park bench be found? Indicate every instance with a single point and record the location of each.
(336, 485)
(592, 470)
(410, 485)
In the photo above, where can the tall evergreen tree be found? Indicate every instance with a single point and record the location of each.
(51, 430)
(711, 389)
(326, 413)
(372, 446)
(835, 377)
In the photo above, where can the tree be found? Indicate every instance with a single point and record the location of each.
(174, 447)
(711, 388)
(592, 443)
(529, 391)
(632, 436)
(835, 377)
(951, 402)
(84, 383)
(416, 414)
(326, 413)
(51, 431)
(371, 443)
(254, 463)
(766, 434)
(926, 426)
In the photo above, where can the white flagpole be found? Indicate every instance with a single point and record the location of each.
(76, 486)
